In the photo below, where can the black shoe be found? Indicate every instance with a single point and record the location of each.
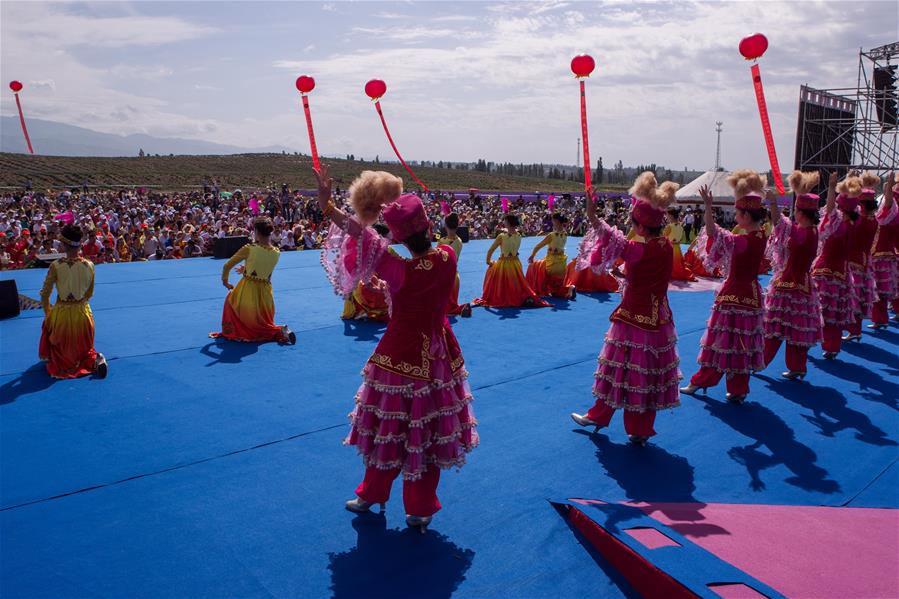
(638, 440)
(830, 355)
(573, 292)
(292, 338)
(735, 399)
(466, 311)
(793, 375)
(102, 367)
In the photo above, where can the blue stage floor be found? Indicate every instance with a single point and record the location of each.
(204, 469)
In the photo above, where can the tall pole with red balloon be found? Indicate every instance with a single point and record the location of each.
(375, 89)
(306, 84)
(752, 47)
(582, 65)
(16, 87)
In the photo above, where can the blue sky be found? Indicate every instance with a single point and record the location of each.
(465, 79)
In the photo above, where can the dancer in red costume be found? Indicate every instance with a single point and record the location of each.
(733, 344)
(860, 243)
(587, 281)
(249, 310)
(884, 259)
(412, 414)
(504, 283)
(695, 265)
(638, 365)
(547, 276)
(67, 333)
(451, 224)
(830, 272)
(792, 309)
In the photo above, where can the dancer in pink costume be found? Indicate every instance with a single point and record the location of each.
(792, 309)
(412, 414)
(638, 365)
(860, 243)
(884, 259)
(830, 272)
(733, 344)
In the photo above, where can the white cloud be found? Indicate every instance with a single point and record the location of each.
(132, 71)
(329, 7)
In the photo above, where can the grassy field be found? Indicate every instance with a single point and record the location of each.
(245, 171)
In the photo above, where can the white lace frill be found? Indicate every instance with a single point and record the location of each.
(348, 259)
(716, 255)
(778, 248)
(600, 248)
(830, 222)
(887, 217)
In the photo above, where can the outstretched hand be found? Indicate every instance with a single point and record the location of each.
(325, 182)
(706, 194)
(771, 198)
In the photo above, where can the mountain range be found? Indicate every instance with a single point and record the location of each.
(50, 138)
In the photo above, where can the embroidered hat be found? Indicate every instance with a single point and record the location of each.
(808, 201)
(646, 214)
(406, 216)
(847, 202)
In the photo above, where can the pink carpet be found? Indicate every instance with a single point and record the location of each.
(802, 551)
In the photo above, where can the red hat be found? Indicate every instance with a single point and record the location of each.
(868, 193)
(750, 201)
(406, 216)
(646, 214)
(847, 203)
(26, 232)
(808, 201)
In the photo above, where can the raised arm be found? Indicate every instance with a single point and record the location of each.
(888, 191)
(591, 210)
(831, 193)
(773, 210)
(337, 216)
(709, 215)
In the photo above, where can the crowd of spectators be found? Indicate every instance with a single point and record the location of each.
(140, 224)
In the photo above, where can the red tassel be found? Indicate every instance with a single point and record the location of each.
(24, 128)
(588, 183)
(315, 162)
(395, 151)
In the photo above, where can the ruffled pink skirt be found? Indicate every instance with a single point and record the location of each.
(863, 289)
(401, 422)
(794, 316)
(638, 369)
(836, 299)
(886, 274)
(734, 341)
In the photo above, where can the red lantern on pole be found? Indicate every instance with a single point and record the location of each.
(306, 84)
(16, 87)
(752, 47)
(375, 89)
(582, 66)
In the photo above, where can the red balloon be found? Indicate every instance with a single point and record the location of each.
(375, 88)
(753, 46)
(16, 86)
(305, 84)
(582, 65)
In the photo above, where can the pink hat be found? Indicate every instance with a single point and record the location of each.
(867, 193)
(646, 214)
(406, 216)
(750, 201)
(808, 201)
(847, 203)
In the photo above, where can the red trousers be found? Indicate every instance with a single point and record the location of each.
(796, 354)
(855, 328)
(832, 338)
(635, 423)
(419, 496)
(706, 376)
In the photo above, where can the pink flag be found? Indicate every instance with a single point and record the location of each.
(505, 204)
(550, 202)
(254, 206)
(66, 217)
(444, 207)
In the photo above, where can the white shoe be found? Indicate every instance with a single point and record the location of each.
(420, 522)
(584, 421)
(691, 389)
(360, 506)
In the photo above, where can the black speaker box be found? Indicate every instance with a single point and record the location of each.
(225, 247)
(9, 299)
(462, 232)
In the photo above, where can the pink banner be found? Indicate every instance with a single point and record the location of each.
(315, 162)
(766, 128)
(397, 152)
(24, 128)
(588, 184)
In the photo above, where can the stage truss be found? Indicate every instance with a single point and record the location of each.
(840, 126)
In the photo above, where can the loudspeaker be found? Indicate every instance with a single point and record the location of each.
(9, 299)
(462, 232)
(225, 247)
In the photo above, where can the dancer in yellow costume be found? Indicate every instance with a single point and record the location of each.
(369, 299)
(674, 231)
(547, 276)
(504, 283)
(451, 224)
(67, 334)
(249, 311)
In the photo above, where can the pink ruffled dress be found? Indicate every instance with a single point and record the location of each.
(413, 408)
(792, 308)
(734, 341)
(884, 260)
(861, 240)
(638, 366)
(830, 272)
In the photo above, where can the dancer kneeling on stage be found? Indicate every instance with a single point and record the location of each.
(412, 414)
(504, 283)
(67, 334)
(249, 311)
(638, 365)
(792, 309)
(547, 276)
(733, 344)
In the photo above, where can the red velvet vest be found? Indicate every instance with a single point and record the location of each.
(862, 239)
(803, 247)
(832, 261)
(644, 303)
(741, 287)
(419, 317)
(886, 239)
